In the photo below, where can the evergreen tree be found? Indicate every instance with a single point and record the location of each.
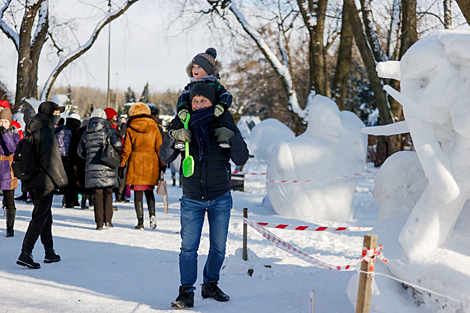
(130, 95)
(145, 94)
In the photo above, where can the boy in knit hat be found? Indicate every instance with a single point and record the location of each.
(204, 68)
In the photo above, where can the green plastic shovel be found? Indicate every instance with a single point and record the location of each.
(188, 162)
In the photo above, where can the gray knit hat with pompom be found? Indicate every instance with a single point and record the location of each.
(206, 60)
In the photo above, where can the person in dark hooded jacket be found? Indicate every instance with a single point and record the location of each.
(98, 175)
(68, 154)
(50, 177)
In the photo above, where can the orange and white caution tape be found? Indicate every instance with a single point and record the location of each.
(281, 244)
(314, 228)
(369, 256)
(298, 181)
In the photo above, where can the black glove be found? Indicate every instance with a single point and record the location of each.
(121, 172)
(3, 130)
(63, 190)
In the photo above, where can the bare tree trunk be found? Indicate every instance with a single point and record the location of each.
(29, 51)
(392, 143)
(409, 34)
(371, 34)
(464, 6)
(84, 48)
(447, 14)
(309, 11)
(393, 32)
(343, 66)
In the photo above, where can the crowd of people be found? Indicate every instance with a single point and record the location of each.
(201, 141)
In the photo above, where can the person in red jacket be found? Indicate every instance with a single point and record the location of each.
(3, 105)
(120, 130)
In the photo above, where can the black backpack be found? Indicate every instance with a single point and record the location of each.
(25, 163)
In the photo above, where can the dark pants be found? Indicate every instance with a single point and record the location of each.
(103, 205)
(71, 198)
(41, 222)
(9, 199)
(139, 197)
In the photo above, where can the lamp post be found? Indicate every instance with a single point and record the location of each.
(109, 56)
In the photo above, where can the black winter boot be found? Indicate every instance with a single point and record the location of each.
(151, 207)
(185, 299)
(26, 259)
(51, 256)
(213, 291)
(139, 211)
(10, 215)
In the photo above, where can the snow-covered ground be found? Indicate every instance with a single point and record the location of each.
(125, 270)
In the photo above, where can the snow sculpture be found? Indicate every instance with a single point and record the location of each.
(399, 191)
(435, 97)
(247, 123)
(331, 147)
(265, 136)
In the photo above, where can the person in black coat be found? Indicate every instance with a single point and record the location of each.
(69, 155)
(50, 177)
(28, 115)
(206, 191)
(98, 175)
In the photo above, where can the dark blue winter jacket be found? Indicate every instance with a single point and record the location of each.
(211, 178)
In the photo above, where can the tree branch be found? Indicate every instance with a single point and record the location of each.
(84, 48)
(7, 30)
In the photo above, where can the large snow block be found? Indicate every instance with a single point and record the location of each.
(265, 136)
(332, 146)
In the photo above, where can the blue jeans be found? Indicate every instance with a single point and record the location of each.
(192, 219)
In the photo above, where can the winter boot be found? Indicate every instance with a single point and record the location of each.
(213, 291)
(51, 256)
(26, 259)
(151, 207)
(139, 210)
(10, 215)
(185, 298)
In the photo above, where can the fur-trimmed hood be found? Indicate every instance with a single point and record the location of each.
(139, 108)
(215, 72)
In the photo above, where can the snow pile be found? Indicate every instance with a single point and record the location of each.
(331, 147)
(424, 220)
(247, 123)
(233, 265)
(265, 136)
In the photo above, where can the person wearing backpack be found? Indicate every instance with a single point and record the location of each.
(9, 139)
(50, 176)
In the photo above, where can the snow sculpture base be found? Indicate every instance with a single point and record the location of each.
(331, 147)
(445, 270)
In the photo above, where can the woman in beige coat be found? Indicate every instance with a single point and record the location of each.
(141, 148)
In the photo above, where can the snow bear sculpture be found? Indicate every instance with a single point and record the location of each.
(435, 73)
(331, 147)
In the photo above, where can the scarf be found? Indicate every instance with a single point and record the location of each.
(198, 125)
